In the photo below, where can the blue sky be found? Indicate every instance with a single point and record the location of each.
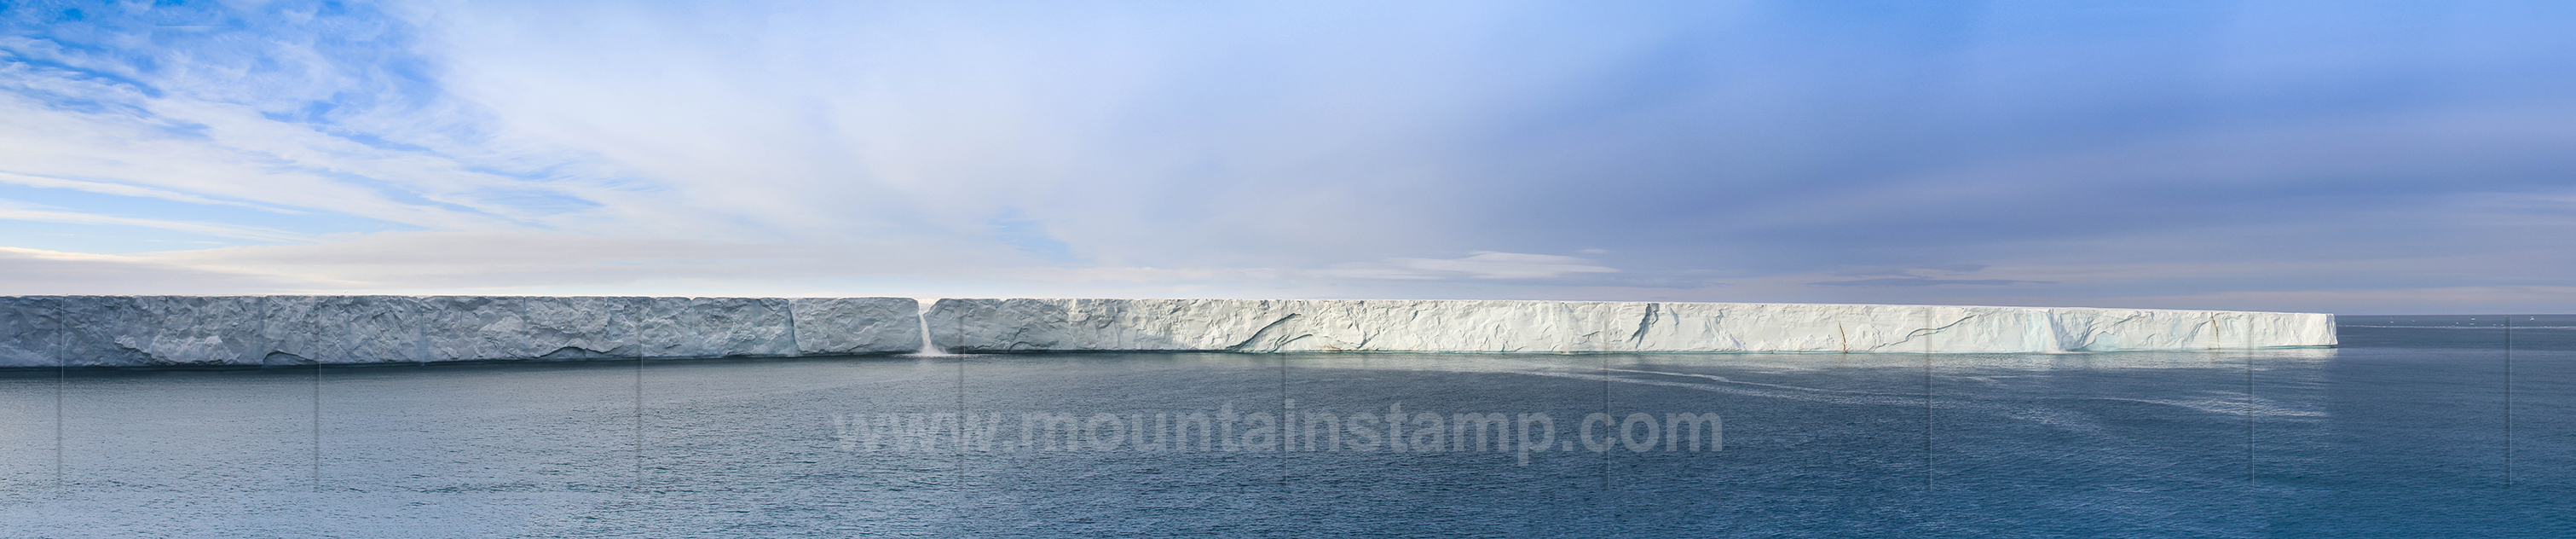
(2355, 157)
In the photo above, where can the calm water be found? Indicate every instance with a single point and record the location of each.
(2418, 426)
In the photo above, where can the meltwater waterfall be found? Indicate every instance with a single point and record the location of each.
(928, 346)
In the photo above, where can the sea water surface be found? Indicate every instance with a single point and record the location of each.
(2417, 426)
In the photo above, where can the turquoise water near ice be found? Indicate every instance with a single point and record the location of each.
(2416, 427)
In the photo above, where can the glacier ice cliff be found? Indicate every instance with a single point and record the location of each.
(82, 331)
(285, 330)
(1035, 325)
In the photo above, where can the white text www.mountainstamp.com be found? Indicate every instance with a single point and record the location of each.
(1394, 429)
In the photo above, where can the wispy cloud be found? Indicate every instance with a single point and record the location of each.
(1992, 153)
(1505, 266)
(211, 229)
(1488, 265)
(32, 271)
(1924, 281)
(110, 188)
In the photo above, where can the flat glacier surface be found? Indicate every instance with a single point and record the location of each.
(2403, 431)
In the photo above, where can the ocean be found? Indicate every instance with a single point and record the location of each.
(2418, 426)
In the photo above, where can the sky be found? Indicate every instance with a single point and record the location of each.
(2337, 156)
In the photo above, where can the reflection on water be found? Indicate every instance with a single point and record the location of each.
(2404, 431)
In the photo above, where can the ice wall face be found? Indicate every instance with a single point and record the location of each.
(29, 329)
(1035, 325)
(285, 330)
(45, 331)
(856, 325)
